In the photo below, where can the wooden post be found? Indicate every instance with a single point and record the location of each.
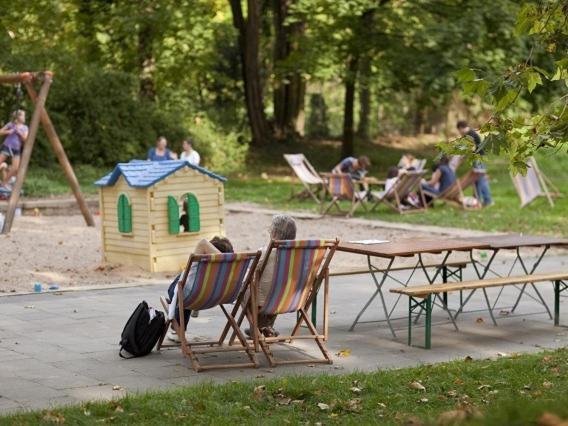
(62, 157)
(26, 154)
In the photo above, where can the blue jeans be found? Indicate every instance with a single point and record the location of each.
(482, 184)
(186, 312)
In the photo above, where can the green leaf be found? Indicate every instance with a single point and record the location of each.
(506, 100)
(465, 75)
(478, 87)
(533, 79)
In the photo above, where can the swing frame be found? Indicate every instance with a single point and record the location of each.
(40, 116)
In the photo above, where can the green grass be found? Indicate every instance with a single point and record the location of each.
(275, 188)
(506, 391)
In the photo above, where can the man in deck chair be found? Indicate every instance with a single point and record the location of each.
(216, 245)
(442, 179)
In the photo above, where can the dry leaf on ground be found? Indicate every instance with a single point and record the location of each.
(343, 353)
(259, 391)
(452, 417)
(322, 406)
(547, 385)
(355, 389)
(416, 385)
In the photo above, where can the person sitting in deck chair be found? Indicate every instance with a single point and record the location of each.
(283, 227)
(442, 178)
(216, 245)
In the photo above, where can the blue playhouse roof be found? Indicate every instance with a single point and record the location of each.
(143, 174)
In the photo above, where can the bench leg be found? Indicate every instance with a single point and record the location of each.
(556, 302)
(428, 331)
(445, 280)
(421, 305)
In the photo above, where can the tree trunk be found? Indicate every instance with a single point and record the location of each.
(364, 98)
(249, 38)
(347, 148)
(290, 90)
(146, 59)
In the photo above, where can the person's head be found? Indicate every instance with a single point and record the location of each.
(19, 116)
(444, 160)
(463, 127)
(392, 172)
(162, 142)
(188, 145)
(363, 162)
(283, 227)
(222, 244)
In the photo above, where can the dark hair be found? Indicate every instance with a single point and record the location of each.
(364, 161)
(444, 160)
(222, 244)
(462, 124)
(392, 172)
(189, 141)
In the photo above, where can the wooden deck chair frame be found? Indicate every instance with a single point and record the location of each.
(350, 194)
(195, 348)
(454, 193)
(543, 183)
(313, 284)
(308, 176)
(400, 190)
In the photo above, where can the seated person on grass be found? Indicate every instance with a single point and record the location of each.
(216, 245)
(442, 178)
(283, 227)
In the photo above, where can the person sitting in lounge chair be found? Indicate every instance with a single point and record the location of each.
(216, 245)
(442, 178)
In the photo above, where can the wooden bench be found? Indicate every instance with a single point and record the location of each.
(420, 297)
(454, 265)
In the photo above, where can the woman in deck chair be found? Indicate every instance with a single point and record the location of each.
(216, 245)
(283, 227)
(442, 178)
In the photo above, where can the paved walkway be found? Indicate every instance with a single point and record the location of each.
(62, 349)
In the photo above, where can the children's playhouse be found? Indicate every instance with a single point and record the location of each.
(154, 213)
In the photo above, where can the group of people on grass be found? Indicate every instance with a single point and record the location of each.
(443, 173)
(283, 227)
(161, 152)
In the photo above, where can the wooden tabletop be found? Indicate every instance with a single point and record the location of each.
(367, 179)
(409, 247)
(512, 241)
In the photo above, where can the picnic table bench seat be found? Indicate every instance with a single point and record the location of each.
(420, 297)
(359, 271)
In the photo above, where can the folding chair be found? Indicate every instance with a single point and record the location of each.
(220, 279)
(341, 187)
(408, 182)
(533, 185)
(301, 266)
(417, 163)
(454, 193)
(305, 172)
(455, 162)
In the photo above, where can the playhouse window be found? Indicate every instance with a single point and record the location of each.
(183, 215)
(124, 210)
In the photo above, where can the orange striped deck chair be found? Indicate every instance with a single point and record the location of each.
(454, 193)
(299, 270)
(407, 182)
(220, 279)
(342, 188)
(305, 172)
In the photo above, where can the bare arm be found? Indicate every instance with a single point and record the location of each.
(23, 135)
(4, 131)
(435, 178)
(337, 169)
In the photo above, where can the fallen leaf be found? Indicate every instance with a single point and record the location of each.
(547, 384)
(468, 359)
(479, 320)
(452, 393)
(547, 358)
(417, 386)
(380, 404)
(484, 387)
(502, 354)
(355, 389)
(343, 353)
(354, 405)
(119, 409)
(52, 417)
(458, 381)
(283, 401)
(298, 401)
(29, 307)
(259, 391)
(322, 406)
(117, 387)
(423, 400)
(452, 417)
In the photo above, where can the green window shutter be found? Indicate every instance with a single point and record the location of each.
(193, 211)
(173, 215)
(124, 214)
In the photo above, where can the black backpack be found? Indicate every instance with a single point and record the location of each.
(141, 334)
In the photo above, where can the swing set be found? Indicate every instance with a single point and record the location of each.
(40, 116)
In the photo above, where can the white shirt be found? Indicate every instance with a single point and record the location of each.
(192, 157)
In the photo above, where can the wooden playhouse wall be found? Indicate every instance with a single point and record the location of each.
(169, 252)
(128, 249)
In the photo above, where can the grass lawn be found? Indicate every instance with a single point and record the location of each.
(268, 182)
(516, 390)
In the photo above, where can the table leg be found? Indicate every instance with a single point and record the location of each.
(523, 288)
(559, 287)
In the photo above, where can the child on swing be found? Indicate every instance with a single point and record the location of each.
(16, 133)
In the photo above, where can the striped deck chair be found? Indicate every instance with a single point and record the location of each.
(533, 185)
(300, 268)
(455, 162)
(306, 173)
(454, 193)
(407, 183)
(417, 163)
(341, 187)
(220, 279)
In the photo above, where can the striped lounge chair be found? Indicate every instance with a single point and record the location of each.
(300, 268)
(341, 187)
(407, 183)
(305, 172)
(220, 279)
(454, 193)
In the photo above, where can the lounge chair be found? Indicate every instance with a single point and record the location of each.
(220, 279)
(300, 268)
(454, 193)
(306, 173)
(417, 163)
(455, 162)
(533, 185)
(406, 183)
(341, 187)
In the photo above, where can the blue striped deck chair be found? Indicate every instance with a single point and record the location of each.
(299, 270)
(220, 279)
(342, 188)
